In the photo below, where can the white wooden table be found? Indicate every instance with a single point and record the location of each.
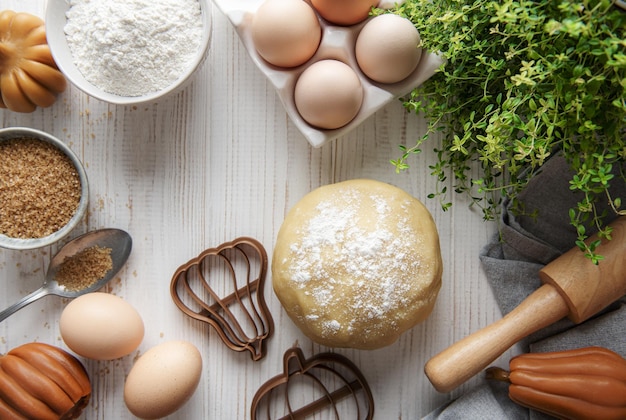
(220, 160)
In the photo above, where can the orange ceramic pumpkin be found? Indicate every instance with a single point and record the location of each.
(29, 76)
(579, 384)
(40, 381)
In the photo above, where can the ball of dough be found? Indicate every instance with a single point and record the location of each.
(357, 263)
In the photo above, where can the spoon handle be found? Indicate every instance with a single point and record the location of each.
(28, 299)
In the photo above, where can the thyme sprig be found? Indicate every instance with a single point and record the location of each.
(523, 80)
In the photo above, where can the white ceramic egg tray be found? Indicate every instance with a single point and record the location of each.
(337, 43)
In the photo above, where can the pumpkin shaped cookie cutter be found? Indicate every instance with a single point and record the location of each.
(242, 321)
(331, 378)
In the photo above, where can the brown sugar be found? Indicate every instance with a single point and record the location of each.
(84, 268)
(40, 188)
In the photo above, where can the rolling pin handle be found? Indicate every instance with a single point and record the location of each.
(465, 358)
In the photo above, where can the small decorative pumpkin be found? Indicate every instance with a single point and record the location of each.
(29, 76)
(40, 381)
(586, 383)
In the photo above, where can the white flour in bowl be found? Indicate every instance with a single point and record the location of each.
(133, 47)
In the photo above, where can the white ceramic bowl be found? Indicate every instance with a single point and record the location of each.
(55, 24)
(24, 244)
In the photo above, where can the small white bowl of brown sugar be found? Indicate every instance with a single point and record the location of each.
(43, 189)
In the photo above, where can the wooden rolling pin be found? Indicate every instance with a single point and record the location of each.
(572, 286)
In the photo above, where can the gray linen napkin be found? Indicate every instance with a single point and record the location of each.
(511, 262)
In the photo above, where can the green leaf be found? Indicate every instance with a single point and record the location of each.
(524, 80)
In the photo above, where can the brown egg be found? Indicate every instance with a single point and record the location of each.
(286, 33)
(101, 326)
(163, 379)
(344, 12)
(328, 94)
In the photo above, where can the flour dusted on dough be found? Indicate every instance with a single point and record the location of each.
(133, 47)
(357, 263)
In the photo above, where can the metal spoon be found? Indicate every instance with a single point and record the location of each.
(117, 240)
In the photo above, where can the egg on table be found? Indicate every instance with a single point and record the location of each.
(388, 48)
(285, 33)
(101, 326)
(328, 94)
(163, 379)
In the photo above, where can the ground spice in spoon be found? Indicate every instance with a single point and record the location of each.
(84, 268)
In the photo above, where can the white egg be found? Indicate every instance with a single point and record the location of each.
(388, 48)
(328, 94)
(163, 379)
(101, 326)
(286, 33)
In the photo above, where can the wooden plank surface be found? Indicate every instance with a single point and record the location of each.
(216, 161)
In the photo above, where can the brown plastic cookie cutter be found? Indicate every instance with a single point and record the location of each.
(332, 380)
(242, 322)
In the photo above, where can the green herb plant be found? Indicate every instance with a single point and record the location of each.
(523, 80)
